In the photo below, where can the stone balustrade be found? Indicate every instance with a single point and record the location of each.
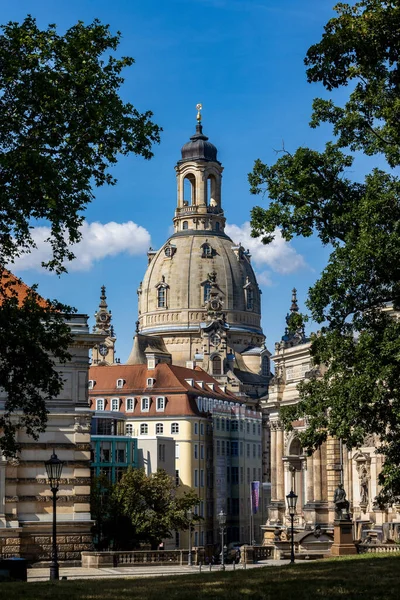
(100, 560)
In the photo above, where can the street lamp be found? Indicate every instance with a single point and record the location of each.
(54, 468)
(291, 500)
(222, 523)
(189, 518)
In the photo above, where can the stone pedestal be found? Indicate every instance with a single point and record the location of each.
(343, 543)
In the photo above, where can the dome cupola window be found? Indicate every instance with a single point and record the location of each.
(206, 291)
(207, 251)
(185, 225)
(169, 250)
(249, 294)
(162, 289)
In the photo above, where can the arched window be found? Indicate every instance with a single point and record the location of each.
(115, 404)
(265, 366)
(211, 191)
(249, 298)
(217, 365)
(161, 297)
(174, 427)
(159, 428)
(206, 291)
(129, 404)
(100, 404)
(189, 190)
(144, 429)
(185, 225)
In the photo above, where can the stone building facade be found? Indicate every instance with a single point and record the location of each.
(314, 478)
(25, 497)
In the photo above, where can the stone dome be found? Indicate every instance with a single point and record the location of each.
(199, 148)
(182, 268)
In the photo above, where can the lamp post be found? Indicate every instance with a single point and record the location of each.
(222, 523)
(291, 500)
(189, 518)
(54, 468)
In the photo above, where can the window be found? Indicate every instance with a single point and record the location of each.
(196, 539)
(120, 383)
(254, 450)
(174, 427)
(222, 424)
(234, 448)
(218, 424)
(206, 292)
(202, 478)
(241, 474)
(120, 452)
(227, 448)
(235, 425)
(129, 404)
(145, 404)
(259, 450)
(129, 429)
(160, 404)
(202, 452)
(195, 451)
(241, 425)
(218, 447)
(150, 382)
(265, 366)
(259, 429)
(223, 448)
(249, 298)
(185, 225)
(115, 404)
(196, 478)
(228, 474)
(177, 477)
(254, 473)
(248, 427)
(144, 429)
(105, 452)
(161, 452)
(161, 297)
(248, 474)
(207, 251)
(248, 450)
(201, 428)
(217, 226)
(227, 425)
(254, 429)
(235, 475)
(241, 448)
(177, 450)
(196, 429)
(159, 428)
(100, 404)
(91, 384)
(217, 365)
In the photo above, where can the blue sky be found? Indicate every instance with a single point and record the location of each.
(243, 60)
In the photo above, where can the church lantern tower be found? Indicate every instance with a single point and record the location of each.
(104, 353)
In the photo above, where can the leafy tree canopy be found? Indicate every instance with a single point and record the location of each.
(311, 193)
(140, 509)
(62, 126)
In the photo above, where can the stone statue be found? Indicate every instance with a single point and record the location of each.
(364, 486)
(341, 504)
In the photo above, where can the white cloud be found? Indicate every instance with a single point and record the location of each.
(98, 242)
(264, 278)
(279, 255)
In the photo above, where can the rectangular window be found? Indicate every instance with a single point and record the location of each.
(254, 429)
(196, 429)
(177, 450)
(145, 404)
(223, 447)
(241, 448)
(201, 538)
(234, 448)
(227, 425)
(177, 481)
(235, 475)
(259, 429)
(120, 452)
(195, 451)
(201, 508)
(129, 404)
(235, 506)
(115, 404)
(196, 478)
(227, 448)
(248, 474)
(259, 450)
(235, 426)
(202, 452)
(160, 406)
(202, 478)
(105, 452)
(254, 473)
(196, 539)
(201, 428)
(222, 424)
(254, 450)
(248, 427)
(248, 450)
(228, 474)
(241, 474)
(218, 448)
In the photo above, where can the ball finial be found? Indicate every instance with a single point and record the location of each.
(199, 107)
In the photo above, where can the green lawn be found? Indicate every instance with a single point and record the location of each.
(361, 577)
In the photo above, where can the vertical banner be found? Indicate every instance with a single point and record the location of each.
(255, 496)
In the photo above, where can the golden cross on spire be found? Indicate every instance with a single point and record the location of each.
(199, 107)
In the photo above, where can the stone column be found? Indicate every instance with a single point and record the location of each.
(310, 478)
(273, 462)
(333, 472)
(279, 466)
(317, 483)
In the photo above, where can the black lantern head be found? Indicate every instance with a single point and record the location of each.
(291, 500)
(222, 518)
(54, 468)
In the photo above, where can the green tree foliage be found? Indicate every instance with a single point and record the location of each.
(140, 509)
(311, 193)
(62, 126)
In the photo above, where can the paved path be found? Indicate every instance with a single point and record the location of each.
(139, 571)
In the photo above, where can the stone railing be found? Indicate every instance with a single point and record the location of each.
(375, 548)
(100, 560)
(262, 552)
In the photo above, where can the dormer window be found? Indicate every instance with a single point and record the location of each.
(207, 251)
(190, 382)
(151, 382)
(162, 288)
(120, 383)
(91, 384)
(169, 250)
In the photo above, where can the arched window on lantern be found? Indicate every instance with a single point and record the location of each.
(189, 190)
(185, 225)
(162, 291)
(211, 191)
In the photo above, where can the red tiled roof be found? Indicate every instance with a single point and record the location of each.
(11, 286)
